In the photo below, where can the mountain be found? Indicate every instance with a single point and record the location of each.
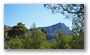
(53, 30)
(7, 27)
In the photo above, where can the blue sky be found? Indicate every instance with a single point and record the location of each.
(32, 13)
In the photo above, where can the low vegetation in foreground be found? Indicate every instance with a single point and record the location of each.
(18, 37)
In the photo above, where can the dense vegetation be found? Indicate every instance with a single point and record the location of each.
(75, 12)
(17, 38)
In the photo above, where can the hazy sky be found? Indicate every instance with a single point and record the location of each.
(32, 13)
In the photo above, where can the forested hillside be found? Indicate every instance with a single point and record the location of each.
(17, 38)
(53, 30)
(57, 36)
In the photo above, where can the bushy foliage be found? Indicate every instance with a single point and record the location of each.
(13, 43)
(37, 39)
(19, 30)
(5, 32)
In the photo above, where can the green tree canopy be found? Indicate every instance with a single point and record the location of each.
(19, 30)
(5, 31)
(71, 11)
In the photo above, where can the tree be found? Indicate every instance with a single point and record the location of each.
(76, 41)
(27, 42)
(38, 37)
(19, 30)
(43, 30)
(75, 12)
(33, 25)
(71, 11)
(62, 40)
(35, 39)
(5, 31)
(13, 43)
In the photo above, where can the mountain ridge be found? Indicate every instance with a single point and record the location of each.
(53, 30)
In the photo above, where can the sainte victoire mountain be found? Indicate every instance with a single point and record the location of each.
(53, 30)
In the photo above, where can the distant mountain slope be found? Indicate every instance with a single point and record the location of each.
(7, 27)
(53, 30)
